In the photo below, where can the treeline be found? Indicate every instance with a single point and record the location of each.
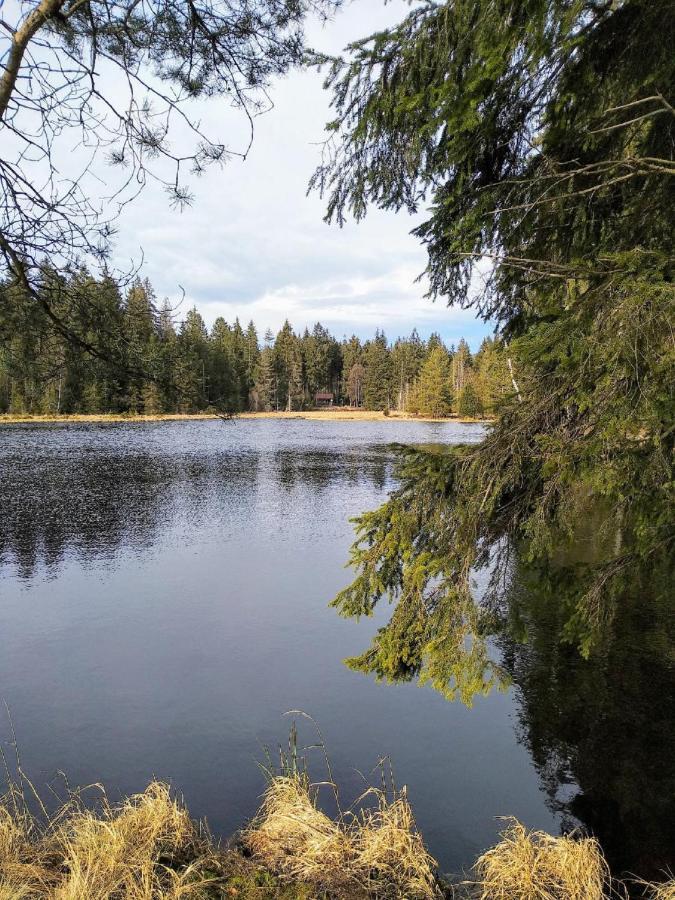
(132, 356)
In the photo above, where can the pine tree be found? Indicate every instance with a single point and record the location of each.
(461, 361)
(539, 137)
(264, 389)
(224, 385)
(377, 385)
(167, 350)
(252, 361)
(432, 393)
(288, 368)
(139, 331)
(406, 359)
(351, 352)
(191, 363)
(493, 382)
(468, 403)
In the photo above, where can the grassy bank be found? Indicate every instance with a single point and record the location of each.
(337, 414)
(148, 848)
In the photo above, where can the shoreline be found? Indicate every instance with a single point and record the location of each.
(290, 850)
(340, 414)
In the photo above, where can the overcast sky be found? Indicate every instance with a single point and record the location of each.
(254, 246)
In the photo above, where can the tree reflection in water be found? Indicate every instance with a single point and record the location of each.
(600, 729)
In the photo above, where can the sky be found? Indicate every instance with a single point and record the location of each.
(254, 246)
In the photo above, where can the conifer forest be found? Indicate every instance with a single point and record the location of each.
(152, 362)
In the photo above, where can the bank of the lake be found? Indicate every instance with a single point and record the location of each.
(337, 414)
(147, 847)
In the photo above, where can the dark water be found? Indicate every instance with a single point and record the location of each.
(163, 601)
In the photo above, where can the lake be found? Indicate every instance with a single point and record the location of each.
(164, 593)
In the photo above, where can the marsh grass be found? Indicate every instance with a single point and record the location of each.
(372, 852)
(658, 891)
(371, 849)
(533, 865)
(145, 848)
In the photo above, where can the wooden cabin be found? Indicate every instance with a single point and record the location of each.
(323, 399)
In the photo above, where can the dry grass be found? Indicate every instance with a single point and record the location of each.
(128, 851)
(391, 850)
(533, 865)
(373, 853)
(137, 850)
(148, 848)
(661, 891)
(294, 838)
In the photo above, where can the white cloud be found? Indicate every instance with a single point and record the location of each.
(255, 246)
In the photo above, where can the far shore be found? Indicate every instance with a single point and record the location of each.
(336, 414)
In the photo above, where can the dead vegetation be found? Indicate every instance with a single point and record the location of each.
(374, 852)
(533, 865)
(148, 848)
(659, 891)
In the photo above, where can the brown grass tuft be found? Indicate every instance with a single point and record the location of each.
(295, 839)
(391, 850)
(664, 890)
(126, 850)
(533, 865)
(376, 853)
(137, 850)
(22, 870)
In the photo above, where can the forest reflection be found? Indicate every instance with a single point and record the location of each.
(92, 504)
(600, 729)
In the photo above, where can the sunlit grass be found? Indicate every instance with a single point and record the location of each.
(533, 865)
(660, 891)
(373, 852)
(147, 847)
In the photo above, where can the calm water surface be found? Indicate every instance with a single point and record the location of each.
(164, 596)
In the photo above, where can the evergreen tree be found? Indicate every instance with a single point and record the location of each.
(468, 403)
(288, 367)
(461, 362)
(192, 363)
(167, 350)
(377, 384)
(140, 333)
(432, 393)
(406, 359)
(355, 381)
(252, 362)
(351, 352)
(435, 341)
(223, 382)
(265, 387)
(493, 383)
(539, 137)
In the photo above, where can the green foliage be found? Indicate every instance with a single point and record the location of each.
(469, 403)
(408, 551)
(432, 392)
(541, 134)
(288, 367)
(594, 433)
(138, 360)
(377, 385)
(493, 382)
